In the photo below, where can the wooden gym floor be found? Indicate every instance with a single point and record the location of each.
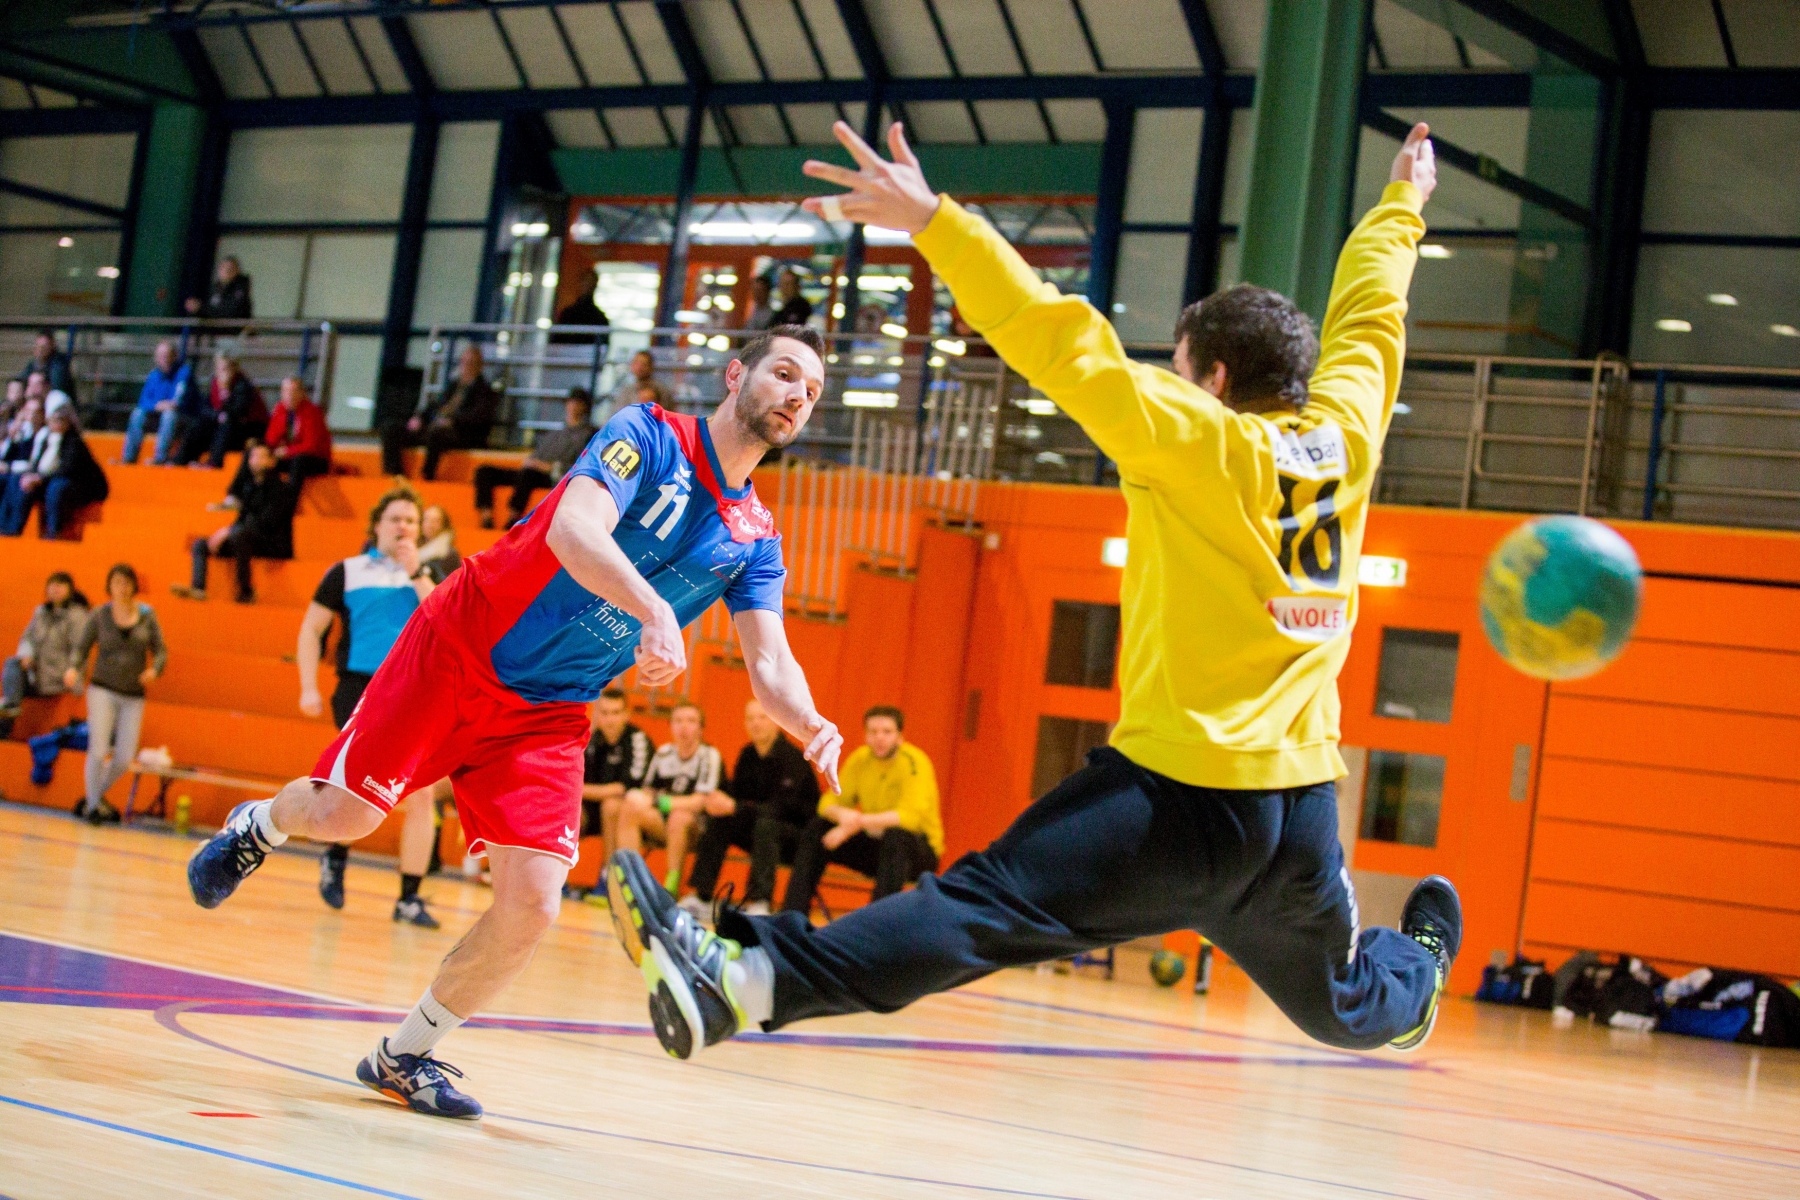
(149, 1049)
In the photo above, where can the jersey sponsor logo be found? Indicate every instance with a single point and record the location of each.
(746, 520)
(1310, 618)
(729, 560)
(621, 458)
(567, 837)
(391, 791)
(1317, 453)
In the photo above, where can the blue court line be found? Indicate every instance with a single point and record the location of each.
(213, 1150)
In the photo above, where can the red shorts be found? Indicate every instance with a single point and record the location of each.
(517, 768)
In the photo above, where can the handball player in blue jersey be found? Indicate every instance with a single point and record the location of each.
(490, 679)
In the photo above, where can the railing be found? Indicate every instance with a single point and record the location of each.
(109, 356)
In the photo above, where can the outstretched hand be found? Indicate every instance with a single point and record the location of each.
(891, 194)
(1417, 162)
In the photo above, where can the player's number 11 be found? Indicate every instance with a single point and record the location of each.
(674, 499)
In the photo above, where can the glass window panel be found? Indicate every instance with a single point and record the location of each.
(1062, 747)
(463, 177)
(353, 383)
(317, 173)
(1717, 172)
(1240, 148)
(276, 264)
(1461, 300)
(1165, 155)
(449, 273)
(347, 276)
(1084, 644)
(1676, 283)
(89, 166)
(1402, 794)
(1152, 276)
(38, 277)
(1417, 679)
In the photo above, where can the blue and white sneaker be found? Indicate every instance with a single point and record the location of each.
(417, 1081)
(227, 859)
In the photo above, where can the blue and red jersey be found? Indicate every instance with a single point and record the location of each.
(540, 636)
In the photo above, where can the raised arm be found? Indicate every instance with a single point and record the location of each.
(1362, 346)
(1146, 419)
(780, 687)
(581, 538)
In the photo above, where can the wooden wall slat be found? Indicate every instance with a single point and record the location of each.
(1670, 864)
(1696, 802)
(1662, 927)
(1695, 676)
(1665, 736)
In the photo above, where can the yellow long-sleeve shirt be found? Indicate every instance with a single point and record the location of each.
(1244, 531)
(903, 782)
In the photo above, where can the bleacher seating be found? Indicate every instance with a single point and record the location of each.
(229, 700)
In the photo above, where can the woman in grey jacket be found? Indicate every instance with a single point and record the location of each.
(131, 655)
(46, 651)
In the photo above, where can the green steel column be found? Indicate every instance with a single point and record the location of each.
(1304, 167)
(1555, 267)
(165, 205)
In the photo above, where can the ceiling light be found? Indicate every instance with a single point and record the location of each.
(583, 229)
(113, 273)
(1374, 570)
(1784, 331)
(543, 322)
(1433, 250)
(1113, 552)
(954, 346)
(65, 242)
(696, 339)
(878, 233)
(752, 229)
(719, 342)
(695, 360)
(1038, 406)
(1725, 298)
(893, 330)
(858, 399)
(936, 360)
(727, 279)
(1675, 325)
(549, 278)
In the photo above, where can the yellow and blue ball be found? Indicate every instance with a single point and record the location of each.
(1167, 968)
(1560, 597)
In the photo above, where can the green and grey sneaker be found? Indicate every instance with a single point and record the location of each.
(1433, 918)
(683, 963)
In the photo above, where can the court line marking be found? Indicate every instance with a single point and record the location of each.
(365, 1188)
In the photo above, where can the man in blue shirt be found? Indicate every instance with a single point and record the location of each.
(163, 389)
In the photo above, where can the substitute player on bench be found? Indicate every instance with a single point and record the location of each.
(489, 681)
(1213, 808)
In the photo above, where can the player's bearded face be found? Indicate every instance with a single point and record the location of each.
(778, 394)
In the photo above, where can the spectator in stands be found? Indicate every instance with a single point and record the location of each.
(639, 375)
(795, 309)
(51, 363)
(131, 654)
(298, 435)
(60, 474)
(437, 543)
(264, 528)
(774, 796)
(220, 418)
(460, 417)
(885, 823)
(229, 299)
(550, 457)
(46, 651)
(372, 596)
(583, 311)
(21, 430)
(684, 784)
(759, 314)
(160, 397)
(618, 761)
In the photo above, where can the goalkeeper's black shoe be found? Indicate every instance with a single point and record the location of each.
(1433, 918)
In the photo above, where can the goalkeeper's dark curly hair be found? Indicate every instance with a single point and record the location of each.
(1267, 344)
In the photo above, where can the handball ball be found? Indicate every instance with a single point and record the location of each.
(1167, 968)
(1560, 597)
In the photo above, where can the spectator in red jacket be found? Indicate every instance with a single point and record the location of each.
(298, 434)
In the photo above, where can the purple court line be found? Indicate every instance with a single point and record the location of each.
(169, 1018)
(213, 1150)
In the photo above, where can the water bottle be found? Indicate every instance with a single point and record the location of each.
(183, 809)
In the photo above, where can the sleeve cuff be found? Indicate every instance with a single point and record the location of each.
(944, 228)
(1405, 192)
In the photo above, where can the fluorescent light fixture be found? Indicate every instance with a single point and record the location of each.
(1037, 406)
(726, 279)
(1377, 571)
(936, 360)
(1725, 298)
(688, 316)
(723, 303)
(1675, 325)
(951, 346)
(1784, 331)
(696, 339)
(108, 272)
(530, 228)
(65, 242)
(1119, 306)
(881, 283)
(896, 361)
(695, 360)
(880, 233)
(1402, 409)
(1434, 250)
(719, 342)
(837, 312)
(1112, 552)
(583, 229)
(859, 399)
(893, 330)
(543, 322)
(359, 402)
(831, 358)
(640, 324)
(752, 229)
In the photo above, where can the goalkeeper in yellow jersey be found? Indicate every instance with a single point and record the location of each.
(1246, 475)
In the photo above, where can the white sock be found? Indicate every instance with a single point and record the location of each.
(751, 978)
(262, 817)
(428, 1022)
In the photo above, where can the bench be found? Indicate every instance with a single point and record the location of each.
(168, 775)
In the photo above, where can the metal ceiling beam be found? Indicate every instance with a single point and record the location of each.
(1486, 169)
(62, 200)
(78, 79)
(406, 51)
(56, 122)
(862, 39)
(1206, 38)
(1545, 36)
(1727, 87)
